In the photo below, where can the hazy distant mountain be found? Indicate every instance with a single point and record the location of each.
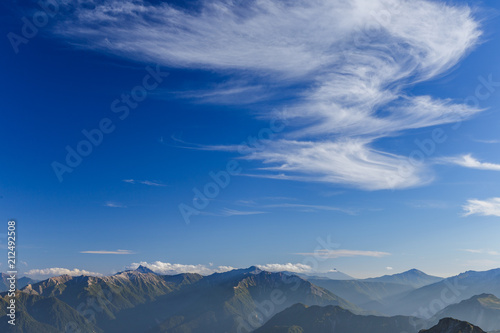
(21, 282)
(333, 275)
(300, 318)
(450, 325)
(413, 278)
(142, 301)
(428, 300)
(482, 310)
(369, 295)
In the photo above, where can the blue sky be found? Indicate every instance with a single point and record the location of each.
(378, 125)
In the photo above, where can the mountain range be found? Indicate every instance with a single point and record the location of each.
(248, 300)
(142, 301)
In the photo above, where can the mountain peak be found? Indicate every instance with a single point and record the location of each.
(414, 271)
(485, 295)
(144, 269)
(450, 325)
(253, 270)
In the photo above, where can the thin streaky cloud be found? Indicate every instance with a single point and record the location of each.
(488, 207)
(109, 252)
(113, 204)
(228, 93)
(332, 254)
(354, 83)
(312, 207)
(233, 212)
(487, 141)
(144, 182)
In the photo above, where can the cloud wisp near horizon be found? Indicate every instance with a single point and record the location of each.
(108, 252)
(333, 254)
(354, 62)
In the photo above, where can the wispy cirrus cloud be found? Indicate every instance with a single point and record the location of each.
(144, 182)
(232, 92)
(489, 207)
(468, 161)
(332, 254)
(234, 212)
(354, 62)
(109, 252)
(487, 141)
(311, 208)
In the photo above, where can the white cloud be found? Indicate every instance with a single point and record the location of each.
(487, 141)
(489, 207)
(331, 254)
(56, 271)
(144, 182)
(468, 161)
(389, 268)
(109, 252)
(354, 58)
(311, 208)
(233, 212)
(295, 268)
(165, 268)
(113, 204)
